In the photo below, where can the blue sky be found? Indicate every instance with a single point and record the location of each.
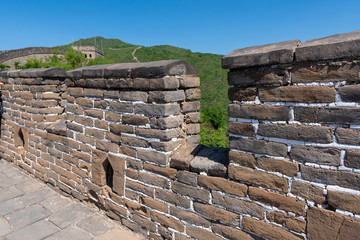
(202, 26)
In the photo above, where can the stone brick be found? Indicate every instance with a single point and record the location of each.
(318, 134)
(182, 157)
(48, 96)
(305, 94)
(348, 136)
(350, 93)
(155, 180)
(292, 223)
(75, 127)
(165, 171)
(156, 83)
(192, 128)
(84, 102)
(243, 159)
(132, 173)
(326, 73)
(120, 128)
(327, 156)
(193, 94)
(267, 230)
(136, 207)
(175, 199)
(127, 151)
(240, 128)
(308, 192)
(101, 104)
(277, 200)
(237, 205)
(134, 119)
(189, 217)
(259, 146)
(89, 92)
(167, 122)
(190, 107)
(132, 141)
(84, 121)
(344, 201)
(282, 166)
(194, 192)
(242, 94)
(257, 177)
(328, 115)
(133, 96)
(224, 185)
(140, 188)
(259, 112)
(352, 158)
(187, 177)
(157, 110)
(167, 221)
(258, 77)
(217, 214)
(230, 232)
(145, 223)
(121, 107)
(94, 113)
(155, 157)
(95, 133)
(189, 81)
(152, 203)
(166, 96)
(74, 109)
(114, 117)
(324, 225)
(331, 177)
(200, 233)
(192, 117)
(163, 135)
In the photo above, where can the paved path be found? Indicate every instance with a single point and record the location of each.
(133, 54)
(30, 210)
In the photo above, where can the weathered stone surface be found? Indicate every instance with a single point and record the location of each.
(348, 136)
(175, 199)
(165, 171)
(189, 81)
(282, 166)
(166, 96)
(242, 94)
(182, 157)
(333, 47)
(217, 213)
(328, 156)
(133, 96)
(258, 77)
(167, 122)
(259, 146)
(332, 72)
(190, 106)
(164, 135)
(324, 224)
(155, 157)
(257, 177)
(259, 112)
(231, 233)
(267, 230)
(308, 192)
(352, 158)
(292, 223)
(157, 110)
(189, 217)
(275, 53)
(211, 160)
(330, 115)
(193, 117)
(187, 177)
(237, 205)
(193, 94)
(166, 146)
(344, 201)
(134, 119)
(278, 200)
(194, 192)
(224, 185)
(167, 221)
(306, 133)
(200, 233)
(350, 93)
(331, 177)
(58, 127)
(244, 159)
(240, 128)
(304, 94)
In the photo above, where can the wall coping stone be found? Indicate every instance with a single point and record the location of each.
(339, 46)
(119, 70)
(274, 53)
(335, 47)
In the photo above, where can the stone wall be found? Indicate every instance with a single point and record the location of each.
(124, 136)
(294, 136)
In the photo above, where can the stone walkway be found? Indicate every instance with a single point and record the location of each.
(30, 210)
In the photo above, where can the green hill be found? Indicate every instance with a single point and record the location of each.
(214, 100)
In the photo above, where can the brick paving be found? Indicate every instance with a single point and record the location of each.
(31, 210)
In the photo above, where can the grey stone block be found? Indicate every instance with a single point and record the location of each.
(70, 233)
(212, 160)
(35, 231)
(9, 193)
(5, 228)
(102, 225)
(10, 206)
(56, 203)
(36, 196)
(157, 110)
(43, 73)
(63, 219)
(27, 216)
(275, 53)
(337, 46)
